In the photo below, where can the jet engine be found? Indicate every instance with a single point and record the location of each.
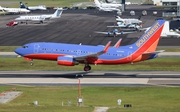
(66, 61)
(109, 1)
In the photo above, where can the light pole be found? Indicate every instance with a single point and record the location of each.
(80, 100)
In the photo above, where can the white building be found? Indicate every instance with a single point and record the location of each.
(166, 2)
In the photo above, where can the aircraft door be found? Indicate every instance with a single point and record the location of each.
(36, 48)
(129, 57)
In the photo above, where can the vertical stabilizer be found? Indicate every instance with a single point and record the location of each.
(149, 40)
(57, 13)
(22, 5)
(97, 3)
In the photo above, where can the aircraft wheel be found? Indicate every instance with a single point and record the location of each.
(87, 68)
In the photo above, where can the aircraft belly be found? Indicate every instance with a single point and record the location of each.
(44, 56)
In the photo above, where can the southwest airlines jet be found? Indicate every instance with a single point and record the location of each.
(72, 54)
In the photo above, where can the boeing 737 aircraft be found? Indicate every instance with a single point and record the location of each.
(14, 10)
(72, 54)
(40, 7)
(41, 18)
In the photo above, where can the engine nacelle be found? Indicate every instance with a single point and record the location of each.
(66, 61)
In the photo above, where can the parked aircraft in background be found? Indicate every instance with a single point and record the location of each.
(167, 33)
(41, 18)
(72, 54)
(12, 24)
(123, 25)
(106, 5)
(129, 20)
(40, 7)
(116, 2)
(115, 32)
(14, 10)
(108, 9)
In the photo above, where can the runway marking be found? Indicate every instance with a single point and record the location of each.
(162, 85)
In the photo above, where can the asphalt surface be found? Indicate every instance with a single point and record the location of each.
(76, 26)
(98, 78)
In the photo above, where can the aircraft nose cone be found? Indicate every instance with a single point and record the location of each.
(17, 51)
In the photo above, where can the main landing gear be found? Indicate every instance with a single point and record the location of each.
(87, 67)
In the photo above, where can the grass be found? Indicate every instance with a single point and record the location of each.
(159, 64)
(143, 99)
(8, 48)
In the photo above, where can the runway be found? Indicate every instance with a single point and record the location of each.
(92, 78)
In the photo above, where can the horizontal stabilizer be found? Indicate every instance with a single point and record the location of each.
(156, 52)
(151, 55)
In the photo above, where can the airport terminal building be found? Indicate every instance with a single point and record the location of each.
(166, 2)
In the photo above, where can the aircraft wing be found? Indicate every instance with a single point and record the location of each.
(120, 33)
(103, 32)
(94, 55)
(116, 26)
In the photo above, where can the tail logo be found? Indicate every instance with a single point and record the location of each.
(148, 35)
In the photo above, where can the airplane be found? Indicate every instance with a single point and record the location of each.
(167, 33)
(115, 2)
(106, 5)
(40, 7)
(107, 9)
(129, 20)
(130, 26)
(41, 18)
(115, 32)
(12, 23)
(73, 54)
(14, 10)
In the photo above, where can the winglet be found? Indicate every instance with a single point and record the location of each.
(118, 43)
(107, 47)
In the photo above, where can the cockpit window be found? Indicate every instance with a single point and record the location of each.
(25, 46)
